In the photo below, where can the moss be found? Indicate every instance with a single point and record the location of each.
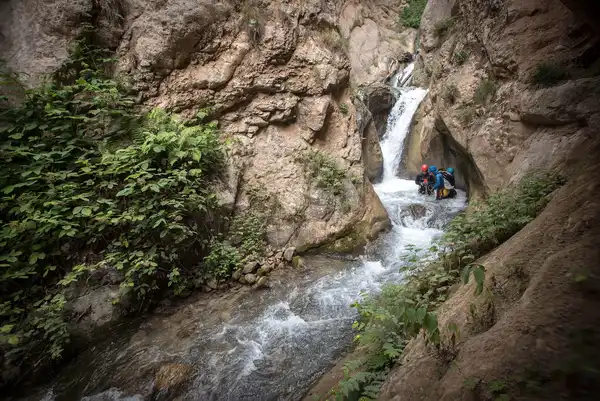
(352, 242)
(297, 262)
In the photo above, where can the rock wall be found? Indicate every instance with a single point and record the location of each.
(479, 59)
(276, 74)
(533, 334)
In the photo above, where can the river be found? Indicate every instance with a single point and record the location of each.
(268, 345)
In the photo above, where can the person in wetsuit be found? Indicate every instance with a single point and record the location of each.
(425, 180)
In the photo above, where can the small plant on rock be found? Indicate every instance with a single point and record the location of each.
(485, 91)
(460, 57)
(344, 108)
(548, 74)
(324, 171)
(451, 93)
(333, 40)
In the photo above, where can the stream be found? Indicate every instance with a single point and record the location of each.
(268, 345)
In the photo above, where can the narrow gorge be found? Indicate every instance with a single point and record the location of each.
(216, 201)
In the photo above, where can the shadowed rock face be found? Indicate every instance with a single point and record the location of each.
(480, 62)
(494, 114)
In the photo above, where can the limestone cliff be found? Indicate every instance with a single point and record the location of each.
(514, 86)
(488, 112)
(275, 74)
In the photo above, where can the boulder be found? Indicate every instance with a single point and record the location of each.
(171, 375)
(297, 262)
(263, 282)
(288, 254)
(250, 278)
(212, 284)
(250, 267)
(236, 275)
(264, 270)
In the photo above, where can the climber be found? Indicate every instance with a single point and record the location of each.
(444, 184)
(425, 181)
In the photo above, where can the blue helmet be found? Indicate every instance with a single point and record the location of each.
(432, 169)
(450, 170)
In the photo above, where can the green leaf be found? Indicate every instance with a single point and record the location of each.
(430, 322)
(13, 340)
(86, 211)
(479, 275)
(8, 189)
(465, 274)
(7, 328)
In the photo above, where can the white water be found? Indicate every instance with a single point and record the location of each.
(276, 346)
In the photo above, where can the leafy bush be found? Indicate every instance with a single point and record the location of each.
(402, 311)
(451, 93)
(324, 171)
(333, 40)
(485, 91)
(344, 108)
(460, 57)
(69, 190)
(441, 28)
(411, 14)
(548, 74)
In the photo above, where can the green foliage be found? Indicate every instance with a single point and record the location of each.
(443, 27)
(460, 57)
(403, 311)
(485, 91)
(333, 40)
(222, 260)
(344, 108)
(450, 93)
(69, 189)
(324, 171)
(411, 14)
(548, 74)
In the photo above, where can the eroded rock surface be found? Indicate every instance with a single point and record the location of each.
(494, 117)
(276, 76)
(484, 114)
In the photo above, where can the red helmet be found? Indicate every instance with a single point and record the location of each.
(424, 168)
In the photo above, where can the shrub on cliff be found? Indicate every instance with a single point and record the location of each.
(403, 311)
(87, 182)
(548, 74)
(412, 13)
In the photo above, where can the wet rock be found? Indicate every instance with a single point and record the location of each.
(264, 270)
(236, 275)
(414, 211)
(263, 282)
(297, 262)
(250, 278)
(172, 376)
(212, 284)
(107, 275)
(94, 309)
(242, 279)
(251, 267)
(288, 254)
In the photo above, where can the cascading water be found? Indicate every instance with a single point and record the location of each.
(276, 343)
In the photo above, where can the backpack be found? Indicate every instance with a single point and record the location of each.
(448, 179)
